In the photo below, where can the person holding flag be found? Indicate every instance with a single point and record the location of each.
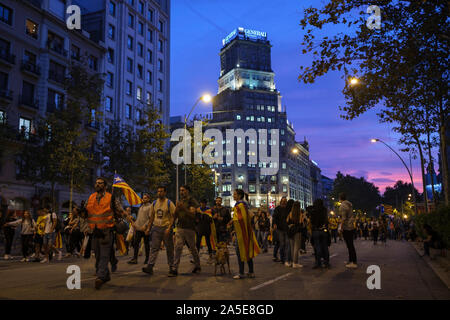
(205, 228)
(245, 241)
(101, 207)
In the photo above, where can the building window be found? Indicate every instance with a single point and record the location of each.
(149, 77)
(138, 115)
(129, 88)
(25, 127)
(128, 111)
(131, 2)
(111, 32)
(148, 98)
(110, 55)
(5, 14)
(160, 85)
(130, 42)
(55, 100)
(31, 29)
(160, 65)
(29, 58)
(283, 165)
(57, 72)
(92, 62)
(141, 28)
(109, 79)
(161, 26)
(109, 104)
(130, 65)
(149, 56)
(238, 117)
(141, 7)
(283, 143)
(139, 93)
(160, 105)
(140, 71)
(27, 92)
(150, 35)
(75, 52)
(273, 189)
(2, 117)
(284, 188)
(150, 15)
(160, 46)
(112, 8)
(251, 188)
(282, 132)
(140, 50)
(130, 20)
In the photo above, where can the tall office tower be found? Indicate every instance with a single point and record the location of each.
(36, 49)
(248, 99)
(136, 34)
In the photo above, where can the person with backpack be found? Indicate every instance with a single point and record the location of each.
(140, 226)
(295, 221)
(160, 223)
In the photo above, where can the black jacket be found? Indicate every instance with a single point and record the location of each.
(279, 218)
(221, 226)
(319, 218)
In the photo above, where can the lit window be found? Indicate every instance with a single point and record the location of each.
(130, 43)
(31, 29)
(108, 105)
(149, 77)
(238, 117)
(128, 111)
(139, 93)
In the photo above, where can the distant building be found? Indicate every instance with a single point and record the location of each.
(327, 188)
(316, 181)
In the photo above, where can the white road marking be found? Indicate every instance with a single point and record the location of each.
(271, 281)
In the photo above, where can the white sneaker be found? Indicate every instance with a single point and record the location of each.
(28, 259)
(23, 260)
(351, 265)
(45, 260)
(296, 265)
(287, 264)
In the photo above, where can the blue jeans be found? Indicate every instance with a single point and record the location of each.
(321, 247)
(285, 251)
(262, 239)
(241, 263)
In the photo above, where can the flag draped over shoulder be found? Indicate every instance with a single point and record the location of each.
(248, 246)
(130, 195)
(213, 236)
(58, 241)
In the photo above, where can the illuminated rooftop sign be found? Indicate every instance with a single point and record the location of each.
(242, 33)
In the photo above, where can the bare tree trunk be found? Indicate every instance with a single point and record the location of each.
(444, 161)
(431, 167)
(422, 167)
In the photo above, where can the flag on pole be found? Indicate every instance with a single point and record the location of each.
(130, 195)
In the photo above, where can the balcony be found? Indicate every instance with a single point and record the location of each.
(36, 3)
(6, 95)
(56, 77)
(93, 125)
(28, 102)
(30, 68)
(7, 58)
(58, 48)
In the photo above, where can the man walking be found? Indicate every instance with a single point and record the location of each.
(203, 227)
(140, 226)
(162, 213)
(280, 225)
(101, 221)
(221, 217)
(348, 229)
(185, 212)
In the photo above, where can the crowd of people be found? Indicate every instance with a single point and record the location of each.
(103, 226)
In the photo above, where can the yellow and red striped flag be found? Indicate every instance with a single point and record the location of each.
(130, 195)
(248, 246)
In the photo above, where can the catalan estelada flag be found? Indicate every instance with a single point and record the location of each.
(248, 246)
(58, 241)
(213, 235)
(130, 195)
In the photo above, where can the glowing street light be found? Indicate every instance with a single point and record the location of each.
(295, 150)
(206, 98)
(354, 81)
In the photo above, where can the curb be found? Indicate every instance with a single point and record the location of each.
(438, 270)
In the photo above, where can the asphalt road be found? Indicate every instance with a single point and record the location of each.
(404, 275)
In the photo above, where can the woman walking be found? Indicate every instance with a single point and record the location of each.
(319, 226)
(28, 228)
(245, 240)
(295, 221)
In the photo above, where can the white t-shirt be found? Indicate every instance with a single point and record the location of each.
(49, 222)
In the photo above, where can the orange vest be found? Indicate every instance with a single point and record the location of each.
(100, 213)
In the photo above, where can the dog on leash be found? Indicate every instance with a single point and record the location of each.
(222, 258)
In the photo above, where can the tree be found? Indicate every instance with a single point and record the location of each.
(63, 153)
(406, 58)
(397, 195)
(364, 195)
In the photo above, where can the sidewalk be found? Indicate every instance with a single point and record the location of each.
(440, 265)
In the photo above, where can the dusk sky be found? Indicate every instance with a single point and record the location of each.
(197, 30)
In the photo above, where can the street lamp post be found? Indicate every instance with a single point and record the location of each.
(205, 98)
(409, 172)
